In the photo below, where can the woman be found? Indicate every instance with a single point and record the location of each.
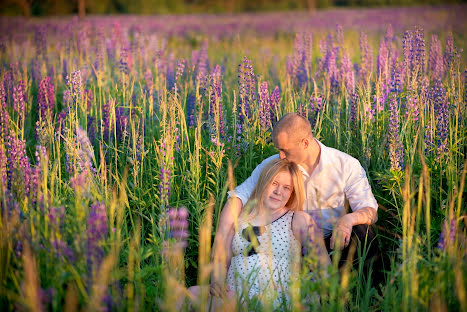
(266, 247)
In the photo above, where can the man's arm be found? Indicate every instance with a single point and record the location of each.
(343, 229)
(362, 201)
(222, 251)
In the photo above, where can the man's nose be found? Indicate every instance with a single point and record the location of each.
(281, 155)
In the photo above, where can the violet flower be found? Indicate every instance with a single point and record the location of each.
(46, 99)
(265, 106)
(396, 149)
(178, 225)
(435, 59)
(97, 228)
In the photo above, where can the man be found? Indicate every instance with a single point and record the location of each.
(333, 180)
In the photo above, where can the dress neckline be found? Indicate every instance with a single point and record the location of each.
(271, 221)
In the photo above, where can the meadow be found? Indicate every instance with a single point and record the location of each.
(108, 122)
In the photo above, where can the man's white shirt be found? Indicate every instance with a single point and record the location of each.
(337, 177)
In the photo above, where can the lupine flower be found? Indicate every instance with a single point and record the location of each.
(353, 111)
(274, 102)
(448, 234)
(316, 104)
(46, 99)
(247, 91)
(265, 106)
(19, 98)
(121, 120)
(190, 107)
(124, 61)
(216, 119)
(85, 151)
(75, 86)
(148, 78)
(412, 107)
(96, 232)
(396, 150)
(435, 59)
(201, 65)
(347, 73)
(449, 52)
(106, 110)
(40, 39)
(4, 116)
(178, 225)
(439, 101)
(299, 65)
(419, 51)
(382, 63)
(180, 69)
(19, 171)
(366, 63)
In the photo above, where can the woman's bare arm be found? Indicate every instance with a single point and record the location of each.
(311, 237)
(222, 248)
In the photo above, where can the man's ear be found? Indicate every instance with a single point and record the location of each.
(306, 142)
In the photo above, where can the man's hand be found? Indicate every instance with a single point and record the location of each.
(341, 236)
(218, 289)
(343, 229)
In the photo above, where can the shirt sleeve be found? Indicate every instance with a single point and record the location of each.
(357, 188)
(244, 190)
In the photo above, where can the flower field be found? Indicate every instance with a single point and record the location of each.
(108, 122)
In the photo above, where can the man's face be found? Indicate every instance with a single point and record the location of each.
(292, 150)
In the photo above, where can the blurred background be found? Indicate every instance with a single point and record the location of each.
(30, 8)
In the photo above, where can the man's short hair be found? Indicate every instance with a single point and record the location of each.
(294, 125)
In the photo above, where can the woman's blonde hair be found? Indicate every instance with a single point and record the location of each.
(266, 177)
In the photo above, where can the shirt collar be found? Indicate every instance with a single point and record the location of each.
(323, 158)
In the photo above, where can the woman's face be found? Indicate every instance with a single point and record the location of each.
(277, 193)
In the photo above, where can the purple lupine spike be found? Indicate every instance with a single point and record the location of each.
(108, 125)
(121, 120)
(178, 224)
(412, 107)
(382, 63)
(396, 150)
(353, 112)
(190, 107)
(440, 105)
(348, 73)
(265, 106)
(419, 53)
(274, 101)
(40, 39)
(3, 165)
(149, 80)
(19, 171)
(247, 90)
(97, 229)
(85, 151)
(180, 69)
(165, 185)
(124, 61)
(215, 99)
(46, 99)
(36, 172)
(435, 59)
(75, 86)
(91, 128)
(19, 97)
(4, 116)
(448, 234)
(366, 65)
(407, 47)
(308, 54)
(449, 52)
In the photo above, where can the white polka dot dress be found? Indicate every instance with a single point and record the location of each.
(267, 271)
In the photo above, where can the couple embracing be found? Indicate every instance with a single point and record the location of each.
(295, 201)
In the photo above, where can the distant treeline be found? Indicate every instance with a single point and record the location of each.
(83, 7)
